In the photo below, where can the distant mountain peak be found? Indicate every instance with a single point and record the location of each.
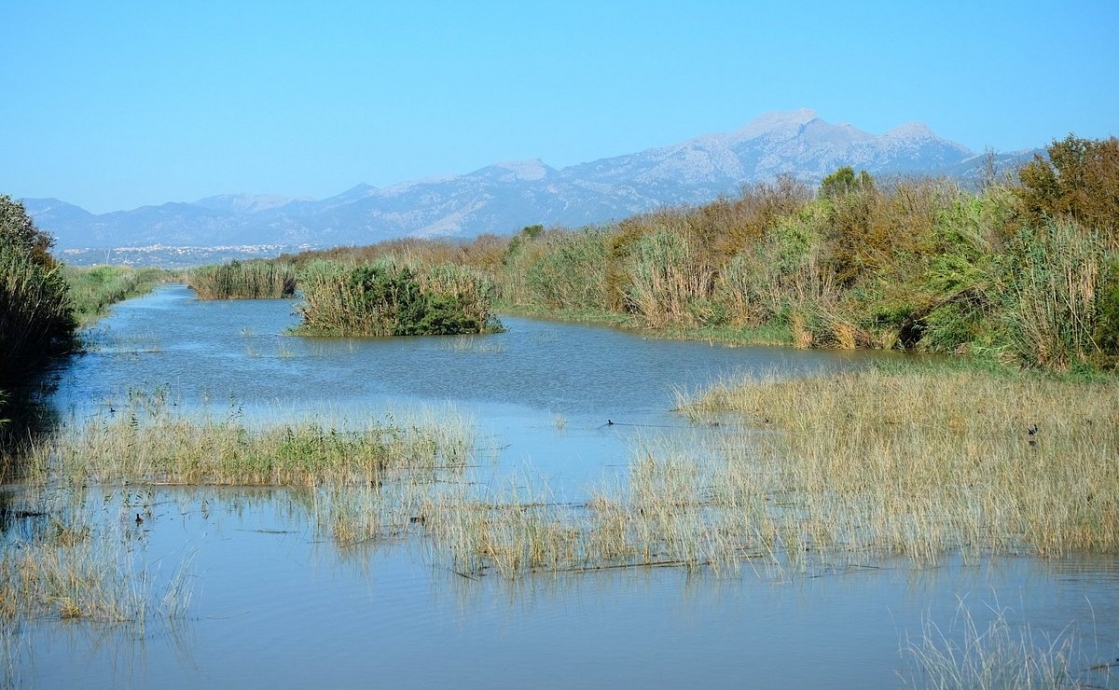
(248, 203)
(911, 130)
(505, 196)
(531, 169)
(775, 121)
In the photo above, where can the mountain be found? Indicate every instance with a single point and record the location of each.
(504, 197)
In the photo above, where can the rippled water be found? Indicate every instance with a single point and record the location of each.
(275, 607)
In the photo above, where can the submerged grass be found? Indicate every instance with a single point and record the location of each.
(997, 657)
(55, 562)
(148, 442)
(845, 469)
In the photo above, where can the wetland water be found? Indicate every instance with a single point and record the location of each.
(277, 606)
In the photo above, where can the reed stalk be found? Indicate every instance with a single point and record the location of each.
(243, 280)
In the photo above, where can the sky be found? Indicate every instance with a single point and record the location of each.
(113, 105)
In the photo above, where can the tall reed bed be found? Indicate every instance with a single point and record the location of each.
(243, 280)
(36, 316)
(390, 297)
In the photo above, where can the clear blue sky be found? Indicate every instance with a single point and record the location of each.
(112, 105)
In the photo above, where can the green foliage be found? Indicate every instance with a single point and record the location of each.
(93, 290)
(526, 236)
(571, 275)
(390, 298)
(912, 264)
(247, 280)
(1050, 278)
(1107, 316)
(844, 181)
(36, 317)
(1079, 182)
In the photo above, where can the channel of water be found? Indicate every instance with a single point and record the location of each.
(276, 606)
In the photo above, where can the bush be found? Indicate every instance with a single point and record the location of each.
(1078, 181)
(571, 274)
(36, 317)
(389, 298)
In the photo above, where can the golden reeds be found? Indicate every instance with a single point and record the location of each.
(924, 462)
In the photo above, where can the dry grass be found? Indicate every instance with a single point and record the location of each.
(148, 442)
(845, 469)
(922, 463)
(966, 657)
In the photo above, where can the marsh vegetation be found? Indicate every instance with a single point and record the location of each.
(243, 280)
(390, 297)
(788, 474)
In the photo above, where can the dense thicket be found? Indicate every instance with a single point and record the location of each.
(36, 319)
(394, 297)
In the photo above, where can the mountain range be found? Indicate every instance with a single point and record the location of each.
(504, 197)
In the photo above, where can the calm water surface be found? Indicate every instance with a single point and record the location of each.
(275, 607)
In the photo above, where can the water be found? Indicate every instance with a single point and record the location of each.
(275, 606)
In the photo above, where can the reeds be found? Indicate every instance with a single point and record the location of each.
(997, 657)
(243, 280)
(392, 298)
(921, 463)
(94, 289)
(36, 317)
(147, 442)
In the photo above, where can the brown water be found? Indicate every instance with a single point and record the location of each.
(274, 606)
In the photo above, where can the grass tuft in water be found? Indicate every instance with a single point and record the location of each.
(149, 443)
(54, 562)
(998, 657)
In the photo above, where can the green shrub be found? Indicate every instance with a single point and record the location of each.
(36, 317)
(571, 275)
(390, 298)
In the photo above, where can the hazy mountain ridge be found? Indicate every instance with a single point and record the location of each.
(503, 197)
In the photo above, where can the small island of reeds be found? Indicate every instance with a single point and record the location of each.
(389, 297)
